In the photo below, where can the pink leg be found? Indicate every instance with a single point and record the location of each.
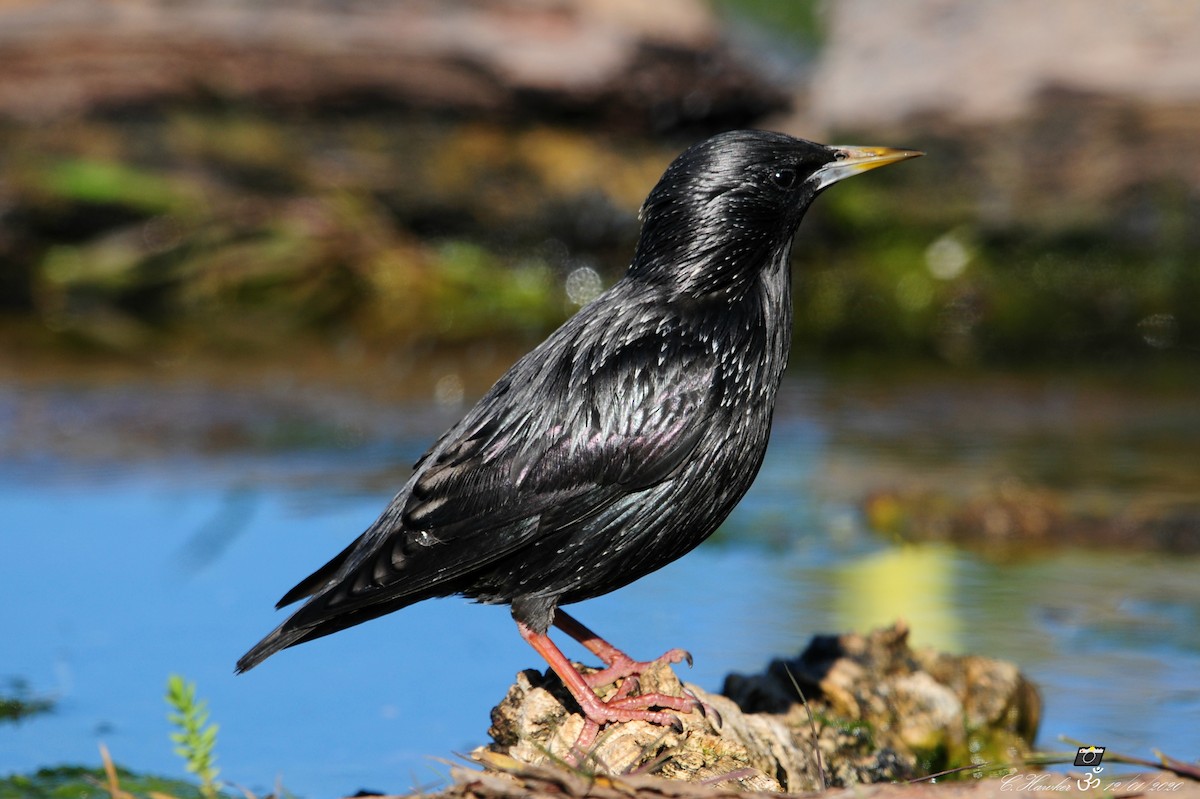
(620, 707)
(619, 664)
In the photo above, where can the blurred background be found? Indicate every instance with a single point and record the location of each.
(255, 256)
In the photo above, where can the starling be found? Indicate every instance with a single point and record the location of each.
(620, 442)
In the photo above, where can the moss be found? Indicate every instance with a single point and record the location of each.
(103, 182)
(475, 290)
(80, 782)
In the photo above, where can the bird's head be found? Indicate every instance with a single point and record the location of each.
(727, 207)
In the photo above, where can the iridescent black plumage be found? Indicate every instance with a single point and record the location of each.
(624, 439)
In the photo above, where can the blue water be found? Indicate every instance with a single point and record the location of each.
(121, 567)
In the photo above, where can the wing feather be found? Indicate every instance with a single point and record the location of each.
(558, 439)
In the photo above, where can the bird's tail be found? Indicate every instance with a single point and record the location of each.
(281, 637)
(294, 631)
(317, 618)
(342, 593)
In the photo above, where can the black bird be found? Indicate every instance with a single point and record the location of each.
(619, 443)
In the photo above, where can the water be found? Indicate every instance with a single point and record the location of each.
(148, 529)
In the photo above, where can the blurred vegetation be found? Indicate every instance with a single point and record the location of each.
(18, 702)
(234, 230)
(231, 228)
(194, 739)
(243, 230)
(797, 22)
(80, 782)
(897, 274)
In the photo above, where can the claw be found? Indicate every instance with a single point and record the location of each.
(713, 715)
(706, 710)
(624, 666)
(675, 656)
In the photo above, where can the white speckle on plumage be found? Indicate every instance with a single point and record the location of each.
(425, 538)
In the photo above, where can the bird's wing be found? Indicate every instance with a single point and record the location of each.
(620, 421)
(539, 453)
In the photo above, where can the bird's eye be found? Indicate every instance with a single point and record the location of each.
(784, 178)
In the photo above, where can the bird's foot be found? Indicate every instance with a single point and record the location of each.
(591, 724)
(653, 707)
(623, 707)
(649, 707)
(624, 666)
(680, 704)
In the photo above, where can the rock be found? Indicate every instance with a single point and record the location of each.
(877, 710)
(983, 62)
(613, 60)
(505, 778)
(1052, 129)
(532, 725)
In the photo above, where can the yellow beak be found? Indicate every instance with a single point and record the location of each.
(854, 160)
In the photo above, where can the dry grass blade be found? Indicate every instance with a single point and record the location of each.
(1177, 767)
(249, 794)
(110, 771)
(813, 726)
(969, 767)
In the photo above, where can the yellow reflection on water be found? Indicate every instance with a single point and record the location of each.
(913, 582)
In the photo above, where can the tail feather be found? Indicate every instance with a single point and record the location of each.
(317, 580)
(281, 637)
(301, 625)
(365, 581)
(315, 619)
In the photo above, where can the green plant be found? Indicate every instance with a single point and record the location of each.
(19, 702)
(195, 738)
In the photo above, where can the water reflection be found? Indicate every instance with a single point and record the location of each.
(97, 523)
(913, 582)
